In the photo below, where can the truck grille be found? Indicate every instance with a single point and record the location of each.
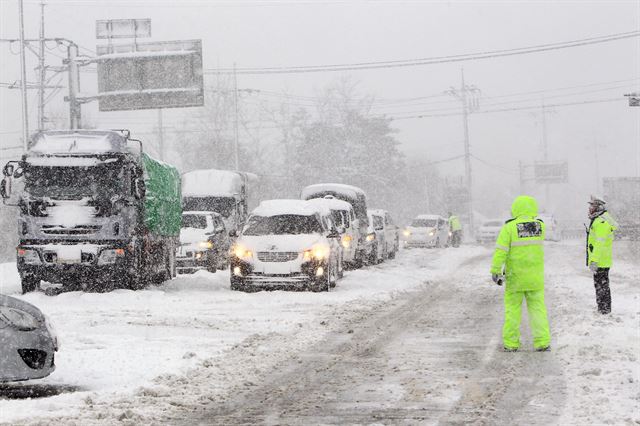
(76, 230)
(277, 256)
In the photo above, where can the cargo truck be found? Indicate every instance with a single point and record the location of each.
(226, 192)
(95, 211)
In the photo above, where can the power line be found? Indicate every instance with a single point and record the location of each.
(429, 60)
(595, 101)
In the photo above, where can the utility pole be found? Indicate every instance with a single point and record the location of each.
(235, 127)
(42, 70)
(545, 150)
(23, 85)
(74, 86)
(468, 95)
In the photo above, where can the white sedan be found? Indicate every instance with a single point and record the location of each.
(27, 341)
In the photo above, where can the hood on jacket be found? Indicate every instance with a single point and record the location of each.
(524, 205)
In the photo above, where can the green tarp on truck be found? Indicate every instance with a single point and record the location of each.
(163, 198)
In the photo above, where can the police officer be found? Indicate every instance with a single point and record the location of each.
(519, 250)
(599, 251)
(456, 230)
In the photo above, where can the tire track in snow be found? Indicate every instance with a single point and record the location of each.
(409, 362)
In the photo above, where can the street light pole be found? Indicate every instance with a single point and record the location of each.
(23, 86)
(235, 124)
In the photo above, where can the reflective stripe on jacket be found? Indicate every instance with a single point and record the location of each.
(519, 248)
(600, 240)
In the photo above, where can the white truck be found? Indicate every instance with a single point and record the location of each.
(226, 192)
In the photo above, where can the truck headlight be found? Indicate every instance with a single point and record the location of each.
(241, 252)
(109, 256)
(371, 236)
(29, 256)
(17, 319)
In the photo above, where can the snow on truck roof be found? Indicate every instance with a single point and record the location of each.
(214, 183)
(318, 188)
(376, 212)
(78, 142)
(295, 207)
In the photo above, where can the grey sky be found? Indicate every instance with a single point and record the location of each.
(282, 33)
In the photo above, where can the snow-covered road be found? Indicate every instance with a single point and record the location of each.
(415, 338)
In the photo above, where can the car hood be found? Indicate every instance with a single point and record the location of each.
(295, 243)
(192, 235)
(421, 229)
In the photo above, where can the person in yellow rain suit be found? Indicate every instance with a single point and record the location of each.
(456, 230)
(519, 260)
(599, 251)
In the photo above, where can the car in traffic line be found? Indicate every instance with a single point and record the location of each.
(287, 244)
(204, 243)
(343, 218)
(488, 231)
(382, 237)
(28, 342)
(427, 230)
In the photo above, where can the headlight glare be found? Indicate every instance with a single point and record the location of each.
(241, 252)
(371, 236)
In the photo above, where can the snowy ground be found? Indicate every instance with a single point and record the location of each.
(191, 350)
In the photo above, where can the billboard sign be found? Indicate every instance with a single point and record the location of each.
(150, 75)
(123, 28)
(546, 172)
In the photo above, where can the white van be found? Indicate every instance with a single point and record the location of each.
(343, 219)
(287, 244)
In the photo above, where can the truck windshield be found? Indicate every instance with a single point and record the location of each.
(222, 205)
(282, 225)
(424, 223)
(197, 221)
(74, 182)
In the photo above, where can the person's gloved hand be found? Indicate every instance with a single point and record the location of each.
(593, 266)
(498, 279)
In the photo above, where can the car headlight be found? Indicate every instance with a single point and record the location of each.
(17, 319)
(52, 332)
(432, 233)
(241, 252)
(317, 253)
(371, 236)
(406, 232)
(29, 256)
(346, 241)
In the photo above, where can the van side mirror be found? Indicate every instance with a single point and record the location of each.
(5, 189)
(8, 170)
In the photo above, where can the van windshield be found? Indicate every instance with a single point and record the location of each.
(424, 223)
(286, 224)
(197, 221)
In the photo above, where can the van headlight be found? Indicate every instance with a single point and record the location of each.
(205, 244)
(346, 241)
(371, 236)
(29, 256)
(241, 252)
(406, 233)
(432, 233)
(17, 319)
